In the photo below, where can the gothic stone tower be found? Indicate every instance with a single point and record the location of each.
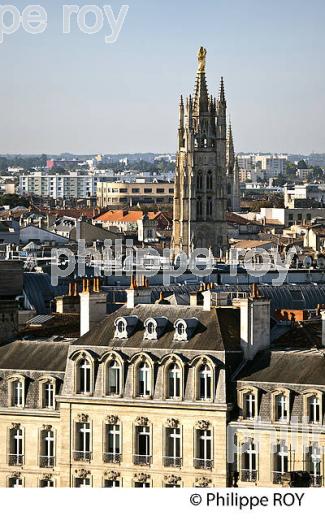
(233, 191)
(200, 198)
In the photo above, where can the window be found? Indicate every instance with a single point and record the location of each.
(209, 206)
(249, 462)
(151, 328)
(84, 376)
(82, 482)
(46, 482)
(144, 380)
(114, 378)
(147, 190)
(280, 462)
(199, 180)
(205, 382)
(181, 329)
(48, 390)
(174, 381)
(199, 207)
(142, 484)
(313, 409)
(203, 449)
(173, 448)
(160, 190)
(313, 464)
(109, 483)
(281, 407)
(16, 455)
(15, 482)
(47, 448)
(113, 443)
(17, 393)
(142, 444)
(121, 326)
(135, 190)
(209, 180)
(82, 451)
(249, 405)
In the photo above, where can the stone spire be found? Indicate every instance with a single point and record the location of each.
(201, 96)
(230, 151)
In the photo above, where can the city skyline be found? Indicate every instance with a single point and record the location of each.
(61, 95)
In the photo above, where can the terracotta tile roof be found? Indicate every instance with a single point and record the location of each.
(249, 244)
(233, 218)
(120, 215)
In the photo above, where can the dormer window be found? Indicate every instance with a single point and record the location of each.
(17, 392)
(185, 328)
(125, 326)
(154, 327)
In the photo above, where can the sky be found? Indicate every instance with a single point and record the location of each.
(75, 93)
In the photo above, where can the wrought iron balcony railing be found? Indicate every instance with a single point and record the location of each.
(142, 460)
(15, 459)
(46, 461)
(248, 475)
(172, 462)
(84, 456)
(112, 458)
(203, 463)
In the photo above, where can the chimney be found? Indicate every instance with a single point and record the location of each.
(193, 299)
(137, 295)
(255, 315)
(323, 328)
(93, 308)
(207, 299)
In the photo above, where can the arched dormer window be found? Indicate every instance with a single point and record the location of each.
(155, 327)
(248, 402)
(114, 378)
(205, 382)
(185, 328)
(16, 391)
(174, 381)
(47, 391)
(84, 374)
(144, 379)
(125, 326)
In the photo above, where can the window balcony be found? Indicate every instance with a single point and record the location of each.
(316, 480)
(142, 460)
(248, 475)
(112, 458)
(46, 462)
(15, 460)
(172, 462)
(203, 463)
(83, 456)
(277, 477)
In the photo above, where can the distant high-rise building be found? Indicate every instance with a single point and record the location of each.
(200, 196)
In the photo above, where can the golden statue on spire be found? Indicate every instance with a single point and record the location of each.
(202, 59)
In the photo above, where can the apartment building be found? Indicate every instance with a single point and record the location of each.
(74, 185)
(117, 193)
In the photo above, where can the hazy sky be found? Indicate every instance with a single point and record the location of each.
(75, 93)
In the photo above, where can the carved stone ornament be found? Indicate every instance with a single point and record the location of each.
(141, 477)
(16, 474)
(47, 476)
(172, 480)
(82, 473)
(172, 423)
(47, 427)
(112, 419)
(82, 417)
(112, 475)
(15, 425)
(202, 482)
(142, 421)
(203, 425)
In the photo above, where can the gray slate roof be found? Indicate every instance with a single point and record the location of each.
(208, 335)
(34, 355)
(286, 367)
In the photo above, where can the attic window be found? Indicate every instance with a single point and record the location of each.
(125, 326)
(185, 328)
(155, 327)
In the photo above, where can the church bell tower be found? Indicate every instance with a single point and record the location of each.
(200, 198)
